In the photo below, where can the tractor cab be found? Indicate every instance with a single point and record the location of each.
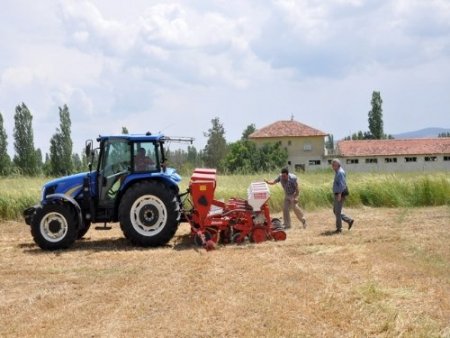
(127, 182)
(123, 160)
(118, 158)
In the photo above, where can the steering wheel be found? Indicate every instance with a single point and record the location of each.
(114, 169)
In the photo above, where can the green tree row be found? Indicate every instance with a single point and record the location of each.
(27, 159)
(242, 156)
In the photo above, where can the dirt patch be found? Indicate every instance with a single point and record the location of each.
(389, 276)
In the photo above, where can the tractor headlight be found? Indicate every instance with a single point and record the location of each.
(47, 191)
(42, 193)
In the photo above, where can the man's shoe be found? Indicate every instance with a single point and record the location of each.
(350, 224)
(338, 231)
(304, 223)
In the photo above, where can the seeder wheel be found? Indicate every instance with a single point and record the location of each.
(237, 238)
(210, 234)
(198, 238)
(259, 235)
(276, 223)
(214, 234)
(279, 235)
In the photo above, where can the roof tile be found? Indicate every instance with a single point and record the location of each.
(360, 148)
(289, 128)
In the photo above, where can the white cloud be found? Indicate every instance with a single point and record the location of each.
(193, 45)
(87, 22)
(307, 17)
(16, 76)
(181, 27)
(76, 98)
(81, 36)
(173, 66)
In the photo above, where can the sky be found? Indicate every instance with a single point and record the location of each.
(172, 67)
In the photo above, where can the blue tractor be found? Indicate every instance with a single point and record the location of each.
(128, 182)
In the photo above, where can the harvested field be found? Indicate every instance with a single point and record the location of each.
(387, 277)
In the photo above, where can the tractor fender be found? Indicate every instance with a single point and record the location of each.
(57, 198)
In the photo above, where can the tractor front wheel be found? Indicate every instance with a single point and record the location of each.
(149, 214)
(83, 229)
(54, 227)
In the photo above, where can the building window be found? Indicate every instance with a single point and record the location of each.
(299, 167)
(410, 159)
(289, 162)
(330, 161)
(390, 160)
(352, 161)
(314, 162)
(430, 158)
(289, 142)
(446, 158)
(371, 160)
(307, 147)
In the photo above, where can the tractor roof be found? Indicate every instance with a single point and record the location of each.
(148, 137)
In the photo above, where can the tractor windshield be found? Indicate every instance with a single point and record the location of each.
(116, 157)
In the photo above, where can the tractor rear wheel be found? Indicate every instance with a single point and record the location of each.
(149, 214)
(54, 227)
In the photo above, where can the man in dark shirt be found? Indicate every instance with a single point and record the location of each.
(291, 191)
(142, 162)
(340, 191)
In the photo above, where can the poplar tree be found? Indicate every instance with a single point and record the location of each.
(61, 145)
(216, 146)
(251, 128)
(5, 160)
(25, 157)
(376, 117)
(39, 161)
(329, 144)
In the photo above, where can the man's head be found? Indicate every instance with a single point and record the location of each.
(284, 173)
(141, 152)
(335, 164)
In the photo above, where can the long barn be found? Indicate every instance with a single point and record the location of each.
(431, 154)
(306, 150)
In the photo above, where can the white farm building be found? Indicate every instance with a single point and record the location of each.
(306, 150)
(432, 154)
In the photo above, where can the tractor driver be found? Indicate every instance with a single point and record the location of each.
(142, 162)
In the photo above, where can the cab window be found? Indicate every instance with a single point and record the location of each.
(145, 157)
(116, 158)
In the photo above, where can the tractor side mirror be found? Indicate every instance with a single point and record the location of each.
(88, 152)
(88, 149)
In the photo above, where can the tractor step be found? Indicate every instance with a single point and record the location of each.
(104, 227)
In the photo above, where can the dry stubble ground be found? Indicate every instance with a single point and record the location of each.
(388, 277)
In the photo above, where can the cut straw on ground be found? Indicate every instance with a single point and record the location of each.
(387, 277)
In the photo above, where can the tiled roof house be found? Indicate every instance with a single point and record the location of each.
(305, 145)
(395, 155)
(288, 128)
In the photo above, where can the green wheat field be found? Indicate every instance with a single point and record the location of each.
(373, 190)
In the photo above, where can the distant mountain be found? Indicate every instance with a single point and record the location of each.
(422, 133)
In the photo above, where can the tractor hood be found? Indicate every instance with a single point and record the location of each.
(172, 173)
(68, 185)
